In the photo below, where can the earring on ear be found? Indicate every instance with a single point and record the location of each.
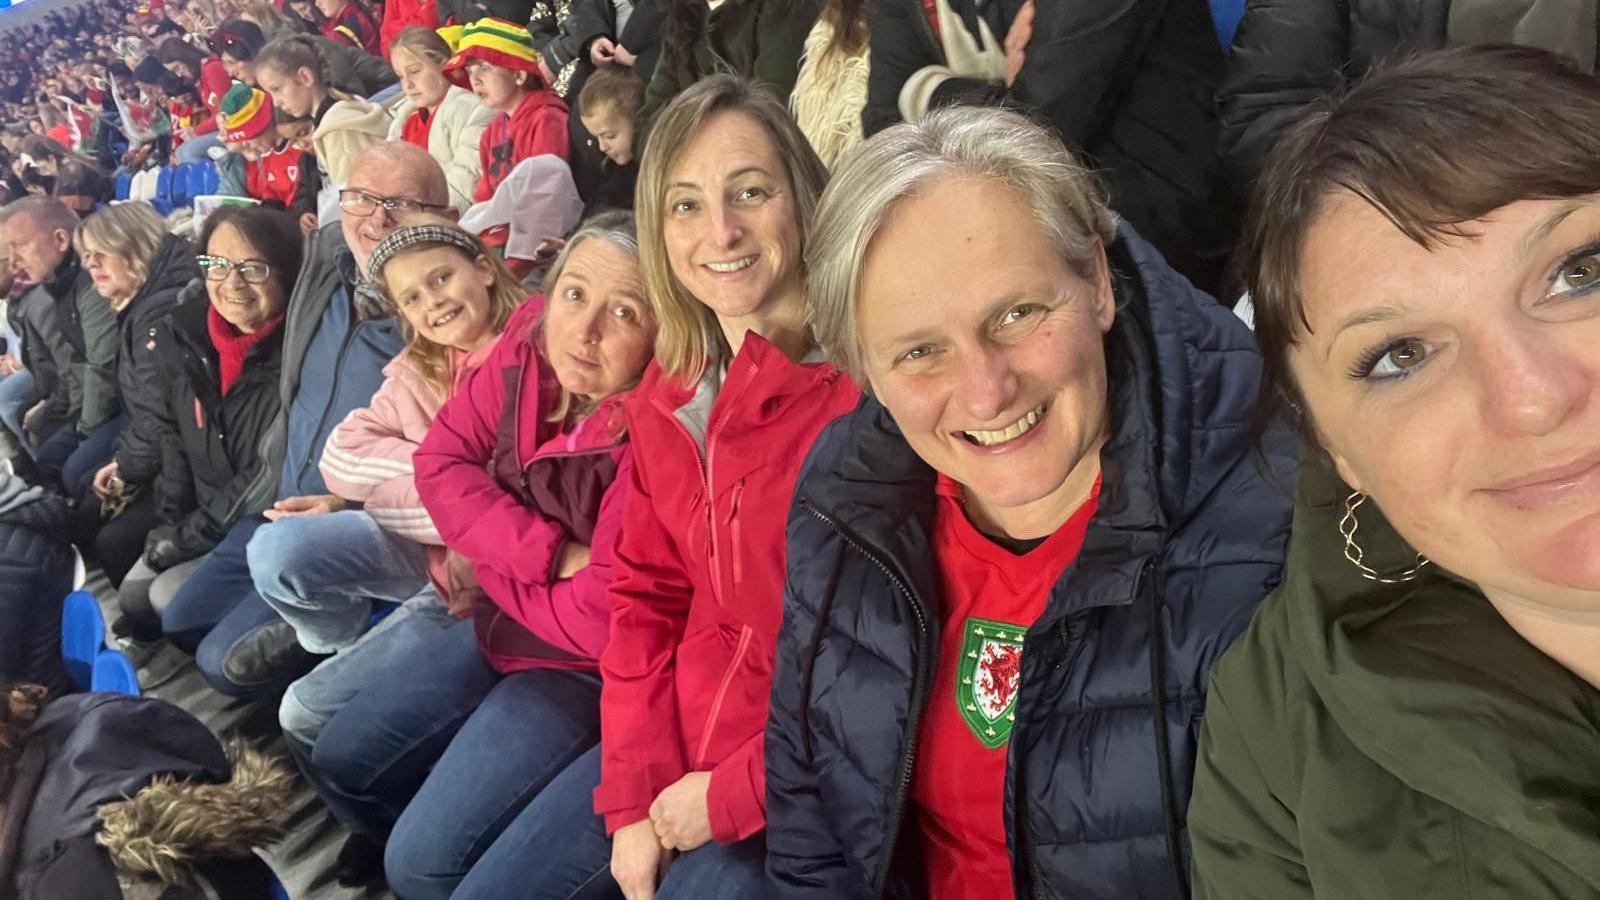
(1354, 553)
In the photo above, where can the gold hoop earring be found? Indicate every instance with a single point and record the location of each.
(1354, 553)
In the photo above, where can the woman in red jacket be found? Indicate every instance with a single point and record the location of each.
(516, 474)
(720, 426)
(211, 80)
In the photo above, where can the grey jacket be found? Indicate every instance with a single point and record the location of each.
(46, 355)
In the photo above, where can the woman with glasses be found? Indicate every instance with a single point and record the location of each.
(217, 357)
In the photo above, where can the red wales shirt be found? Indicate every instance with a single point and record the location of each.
(990, 598)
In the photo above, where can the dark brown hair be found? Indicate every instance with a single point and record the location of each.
(1432, 142)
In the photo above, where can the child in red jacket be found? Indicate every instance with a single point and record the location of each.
(348, 22)
(272, 166)
(497, 62)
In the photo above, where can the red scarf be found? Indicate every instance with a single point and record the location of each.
(233, 346)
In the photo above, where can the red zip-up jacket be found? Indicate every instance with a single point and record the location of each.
(214, 82)
(698, 590)
(507, 489)
(537, 126)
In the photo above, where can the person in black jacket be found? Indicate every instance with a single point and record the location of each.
(1129, 85)
(220, 381)
(107, 796)
(1012, 567)
(139, 269)
(1287, 53)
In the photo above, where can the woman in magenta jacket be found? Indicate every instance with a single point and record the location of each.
(516, 473)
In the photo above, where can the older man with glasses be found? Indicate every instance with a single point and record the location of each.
(339, 334)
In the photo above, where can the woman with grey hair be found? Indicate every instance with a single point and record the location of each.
(1011, 568)
(140, 270)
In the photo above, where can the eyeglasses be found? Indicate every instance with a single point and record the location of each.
(253, 271)
(363, 204)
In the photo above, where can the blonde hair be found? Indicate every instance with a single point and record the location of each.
(424, 42)
(897, 163)
(132, 231)
(432, 360)
(689, 338)
(617, 228)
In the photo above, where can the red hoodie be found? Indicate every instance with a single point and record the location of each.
(539, 125)
(398, 15)
(214, 83)
(698, 594)
(507, 489)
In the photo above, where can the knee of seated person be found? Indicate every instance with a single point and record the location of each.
(408, 867)
(300, 724)
(271, 553)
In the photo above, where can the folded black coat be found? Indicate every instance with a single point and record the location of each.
(36, 567)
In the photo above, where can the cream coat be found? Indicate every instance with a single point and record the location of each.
(453, 139)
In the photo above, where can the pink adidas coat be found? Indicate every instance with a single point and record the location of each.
(368, 460)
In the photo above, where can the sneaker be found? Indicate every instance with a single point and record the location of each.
(269, 653)
(360, 861)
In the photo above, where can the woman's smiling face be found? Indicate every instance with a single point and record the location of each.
(1456, 385)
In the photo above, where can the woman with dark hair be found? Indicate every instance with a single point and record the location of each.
(761, 40)
(1410, 714)
(111, 796)
(211, 80)
(219, 374)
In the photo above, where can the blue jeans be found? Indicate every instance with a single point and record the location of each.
(321, 574)
(529, 754)
(311, 701)
(195, 149)
(16, 395)
(368, 756)
(217, 587)
(74, 457)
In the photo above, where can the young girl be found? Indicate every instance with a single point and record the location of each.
(497, 60)
(293, 70)
(437, 116)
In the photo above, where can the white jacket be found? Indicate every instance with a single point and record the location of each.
(458, 123)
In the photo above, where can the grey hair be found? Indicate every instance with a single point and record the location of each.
(615, 227)
(132, 231)
(898, 163)
(45, 213)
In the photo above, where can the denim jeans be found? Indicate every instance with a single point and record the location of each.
(528, 756)
(74, 457)
(219, 584)
(369, 758)
(310, 702)
(17, 394)
(321, 574)
(195, 149)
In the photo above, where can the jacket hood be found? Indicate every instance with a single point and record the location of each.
(1430, 682)
(33, 507)
(355, 115)
(172, 823)
(1182, 375)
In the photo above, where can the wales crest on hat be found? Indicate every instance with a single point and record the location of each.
(990, 674)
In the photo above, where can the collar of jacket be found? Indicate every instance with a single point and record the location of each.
(189, 328)
(1176, 433)
(1433, 685)
(369, 302)
(63, 280)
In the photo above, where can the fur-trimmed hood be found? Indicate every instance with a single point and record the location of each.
(172, 822)
(142, 779)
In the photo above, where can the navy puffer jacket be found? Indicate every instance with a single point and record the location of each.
(1188, 538)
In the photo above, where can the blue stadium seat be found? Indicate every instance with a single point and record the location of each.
(181, 190)
(213, 179)
(162, 201)
(114, 674)
(83, 634)
(124, 185)
(279, 892)
(1225, 16)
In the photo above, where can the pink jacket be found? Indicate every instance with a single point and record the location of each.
(507, 490)
(368, 460)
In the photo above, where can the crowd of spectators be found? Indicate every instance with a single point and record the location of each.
(683, 449)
